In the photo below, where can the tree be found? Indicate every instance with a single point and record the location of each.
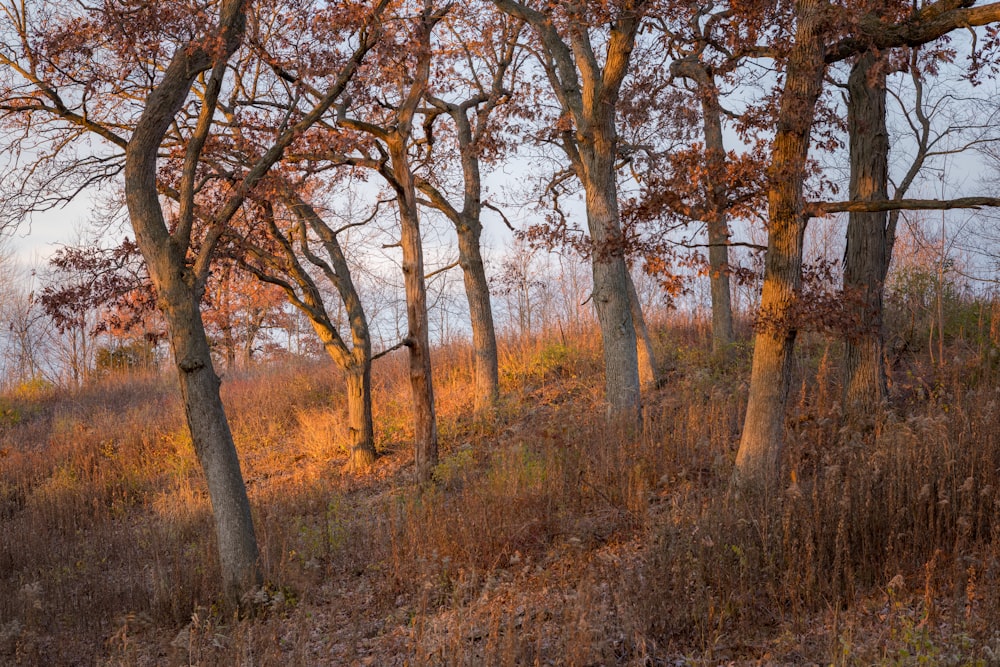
(703, 181)
(587, 87)
(494, 50)
(393, 138)
(275, 260)
(808, 56)
(871, 235)
(127, 74)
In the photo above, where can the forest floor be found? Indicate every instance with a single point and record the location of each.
(547, 537)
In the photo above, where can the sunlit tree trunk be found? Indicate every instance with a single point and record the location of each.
(611, 279)
(484, 339)
(649, 370)
(360, 427)
(763, 430)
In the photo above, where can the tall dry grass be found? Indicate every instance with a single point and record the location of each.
(548, 536)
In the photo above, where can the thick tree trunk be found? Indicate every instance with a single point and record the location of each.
(213, 444)
(418, 341)
(611, 279)
(360, 428)
(484, 339)
(763, 431)
(866, 259)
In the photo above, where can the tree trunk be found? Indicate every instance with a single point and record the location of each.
(213, 444)
(484, 339)
(718, 266)
(418, 341)
(718, 227)
(717, 197)
(866, 259)
(649, 369)
(361, 432)
(763, 431)
(611, 279)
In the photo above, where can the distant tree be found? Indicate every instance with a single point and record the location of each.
(238, 311)
(585, 51)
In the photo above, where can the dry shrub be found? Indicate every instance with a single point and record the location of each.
(906, 506)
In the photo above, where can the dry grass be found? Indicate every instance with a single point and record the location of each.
(548, 536)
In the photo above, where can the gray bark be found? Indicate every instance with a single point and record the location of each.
(484, 338)
(360, 426)
(866, 260)
(717, 198)
(469, 226)
(588, 91)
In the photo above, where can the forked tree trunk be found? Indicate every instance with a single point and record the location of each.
(418, 340)
(179, 293)
(866, 259)
(469, 226)
(356, 361)
(588, 91)
(484, 339)
(360, 428)
(763, 430)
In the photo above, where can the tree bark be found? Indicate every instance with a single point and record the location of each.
(649, 369)
(866, 259)
(718, 227)
(717, 197)
(287, 272)
(588, 91)
(360, 427)
(763, 431)
(484, 338)
(611, 283)
(418, 340)
(213, 444)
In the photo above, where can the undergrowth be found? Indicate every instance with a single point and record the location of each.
(547, 537)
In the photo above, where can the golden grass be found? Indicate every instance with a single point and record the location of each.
(548, 537)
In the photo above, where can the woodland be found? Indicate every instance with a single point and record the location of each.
(502, 332)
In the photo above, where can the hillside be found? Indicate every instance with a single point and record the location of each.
(547, 536)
